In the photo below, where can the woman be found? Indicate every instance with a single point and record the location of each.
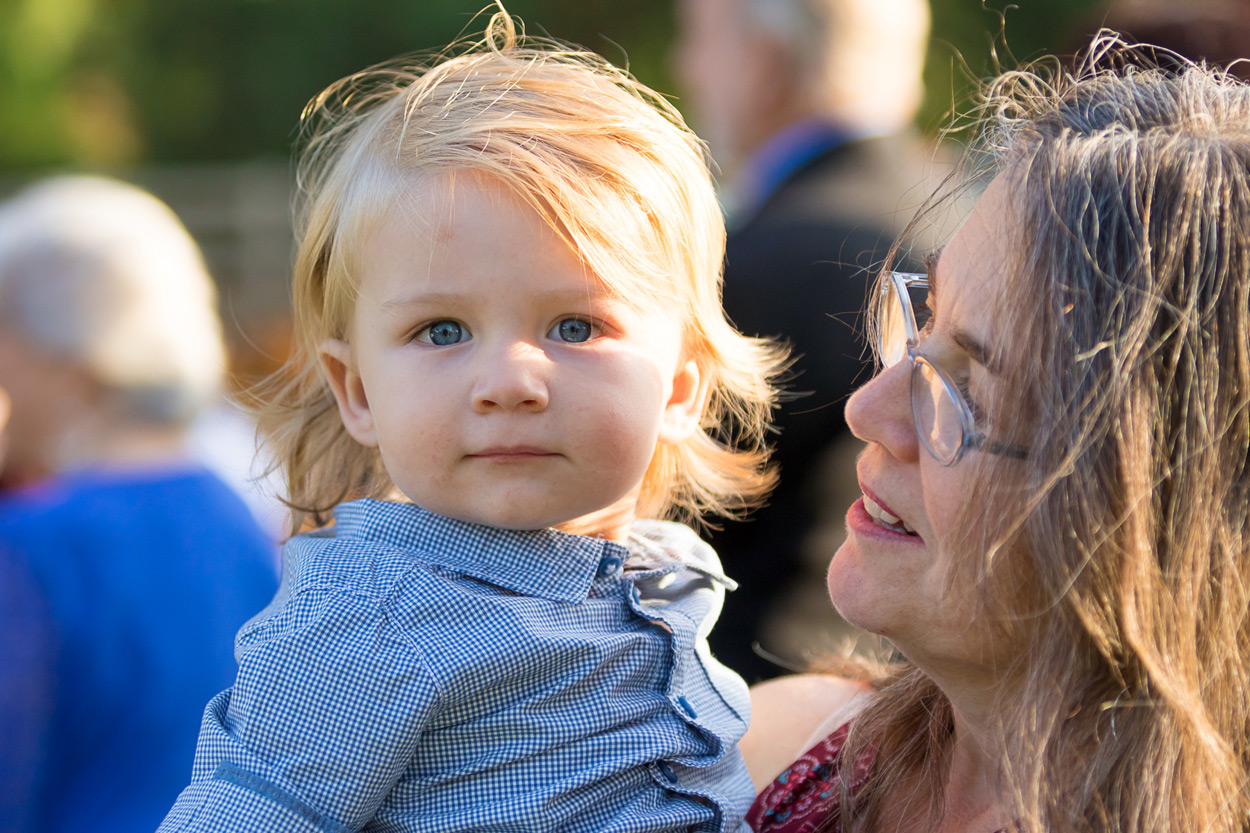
(125, 567)
(1056, 502)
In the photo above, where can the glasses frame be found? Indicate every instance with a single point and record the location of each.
(970, 439)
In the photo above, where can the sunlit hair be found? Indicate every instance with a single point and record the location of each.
(1119, 566)
(862, 58)
(104, 275)
(607, 163)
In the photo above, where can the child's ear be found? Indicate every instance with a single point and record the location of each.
(685, 404)
(349, 391)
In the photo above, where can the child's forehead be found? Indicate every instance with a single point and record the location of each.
(442, 207)
(436, 197)
(435, 211)
(465, 218)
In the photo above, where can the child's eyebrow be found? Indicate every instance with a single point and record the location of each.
(572, 297)
(420, 299)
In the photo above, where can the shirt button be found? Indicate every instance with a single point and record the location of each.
(686, 707)
(610, 566)
(666, 771)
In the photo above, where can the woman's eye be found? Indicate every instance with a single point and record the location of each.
(573, 330)
(978, 413)
(443, 333)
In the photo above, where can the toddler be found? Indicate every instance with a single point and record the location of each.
(513, 363)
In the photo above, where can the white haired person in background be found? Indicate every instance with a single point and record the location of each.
(125, 568)
(807, 105)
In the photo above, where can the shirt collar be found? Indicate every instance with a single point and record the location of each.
(665, 545)
(544, 563)
(781, 157)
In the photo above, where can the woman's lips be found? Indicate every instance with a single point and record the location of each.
(880, 515)
(863, 524)
(886, 518)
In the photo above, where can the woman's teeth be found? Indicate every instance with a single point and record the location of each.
(885, 519)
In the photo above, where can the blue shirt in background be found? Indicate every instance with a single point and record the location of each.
(420, 673)
(120, 595)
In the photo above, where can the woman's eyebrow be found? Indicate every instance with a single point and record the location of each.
(976, 350)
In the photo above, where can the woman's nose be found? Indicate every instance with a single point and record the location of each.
(880, 412)
(512, 377)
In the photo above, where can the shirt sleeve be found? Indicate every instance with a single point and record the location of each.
(330, 701)
(27, 691)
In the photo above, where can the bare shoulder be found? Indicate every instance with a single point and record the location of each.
(786, 714)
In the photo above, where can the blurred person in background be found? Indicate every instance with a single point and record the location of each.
(4, 419)
(125, 568)
(807, 106)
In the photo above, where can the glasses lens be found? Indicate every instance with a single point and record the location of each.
(935, 413)
(919, 296)
(891, 319)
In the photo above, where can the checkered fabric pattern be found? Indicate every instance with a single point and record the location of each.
(417, 673)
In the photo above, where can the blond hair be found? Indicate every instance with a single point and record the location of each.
(1121, 564)
(606, 162)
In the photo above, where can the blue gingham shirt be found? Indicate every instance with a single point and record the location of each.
(417, 673)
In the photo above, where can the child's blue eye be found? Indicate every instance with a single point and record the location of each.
(443, 333)
(573, 330)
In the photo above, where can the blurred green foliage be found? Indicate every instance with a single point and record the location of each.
(111, 84)
(972, 40)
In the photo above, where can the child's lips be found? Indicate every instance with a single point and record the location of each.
(513, 452)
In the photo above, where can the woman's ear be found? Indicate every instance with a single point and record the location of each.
(685, 404)
(349, 391)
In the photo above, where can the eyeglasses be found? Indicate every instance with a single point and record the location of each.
(943, 418)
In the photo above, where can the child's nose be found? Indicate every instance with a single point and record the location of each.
(513, 377)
